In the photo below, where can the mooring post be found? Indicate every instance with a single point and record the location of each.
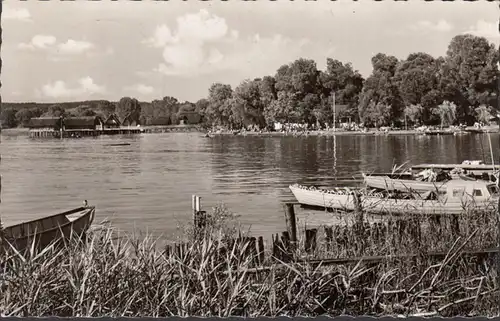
(310, 243)
(329, 237)
(198, 215)
(358, 209)
(260, 251)
(291, 223)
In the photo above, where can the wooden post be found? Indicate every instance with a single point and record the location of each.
(291, 223)
(286, 247)
(199, 216)
(358, 212)
(260, 250)
(329, 237)
(455, 226)
(310, 244)
(251, 250)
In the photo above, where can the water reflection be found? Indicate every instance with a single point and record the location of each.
(149, 183)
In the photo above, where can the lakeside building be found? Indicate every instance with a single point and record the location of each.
(45, 126)
(112, 122)
(131, 119)
(83, 123)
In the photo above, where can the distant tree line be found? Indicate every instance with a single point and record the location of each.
(460, 87)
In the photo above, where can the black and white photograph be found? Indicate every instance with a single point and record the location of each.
(249, 158)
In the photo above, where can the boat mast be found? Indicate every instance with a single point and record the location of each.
(333, 107)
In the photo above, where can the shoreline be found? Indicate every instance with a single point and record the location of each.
(356, 133)
(192, 129)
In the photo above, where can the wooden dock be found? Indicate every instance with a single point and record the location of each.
(78, 133)
(287, 249)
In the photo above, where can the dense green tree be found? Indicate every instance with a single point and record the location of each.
(218, 111)
(126, 106)
(484, 114)
(447, 113)
(105, 108)
(171, 105)
(417, 79)
(380, 93)
(23, 117)
(8, 118)
(347, 84)
(299, 92)
(55, 111)
(414, 113)
(469, 74)
(82, 111)
(249, 103)
(201, 106)
(285, 109)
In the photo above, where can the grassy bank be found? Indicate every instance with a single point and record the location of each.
(108, 276)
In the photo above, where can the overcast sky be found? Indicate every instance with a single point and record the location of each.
(64, 51)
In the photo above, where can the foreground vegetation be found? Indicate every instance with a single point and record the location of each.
(108, 276)
(459, 87)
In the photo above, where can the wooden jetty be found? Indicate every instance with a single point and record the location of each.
(76, 127)
(78, 133)
(334, 243)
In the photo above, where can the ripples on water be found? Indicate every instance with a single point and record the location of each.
(148, 184)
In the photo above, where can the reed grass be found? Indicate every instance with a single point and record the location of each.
(102, 275)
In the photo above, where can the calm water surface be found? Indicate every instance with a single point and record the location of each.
(148, 184)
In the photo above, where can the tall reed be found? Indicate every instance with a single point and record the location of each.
(102, 275)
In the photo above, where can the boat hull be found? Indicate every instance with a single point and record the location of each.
(44, 231)
(404, 185)
(378, 205)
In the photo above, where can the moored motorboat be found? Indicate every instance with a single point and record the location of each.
(406, 185)
(414, 183)
(457, 197)
(45, 230)
(475, 168)
(429, 176)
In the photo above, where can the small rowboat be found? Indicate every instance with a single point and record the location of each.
(457, 197)
(48, 229)
(118, 144)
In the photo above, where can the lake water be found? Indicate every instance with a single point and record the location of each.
(148, 184)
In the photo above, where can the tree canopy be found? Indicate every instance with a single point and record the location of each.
(459, 87)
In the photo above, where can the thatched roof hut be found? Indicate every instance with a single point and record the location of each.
(89, 122)
(45, 122)
(132, 119)
(112, 121)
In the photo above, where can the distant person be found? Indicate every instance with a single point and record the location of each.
(85, 203)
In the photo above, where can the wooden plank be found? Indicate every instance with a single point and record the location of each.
(365, 259)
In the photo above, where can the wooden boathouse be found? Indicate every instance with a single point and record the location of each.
(82, 126)
(59, 127)
(112, 122)
(45, 127)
